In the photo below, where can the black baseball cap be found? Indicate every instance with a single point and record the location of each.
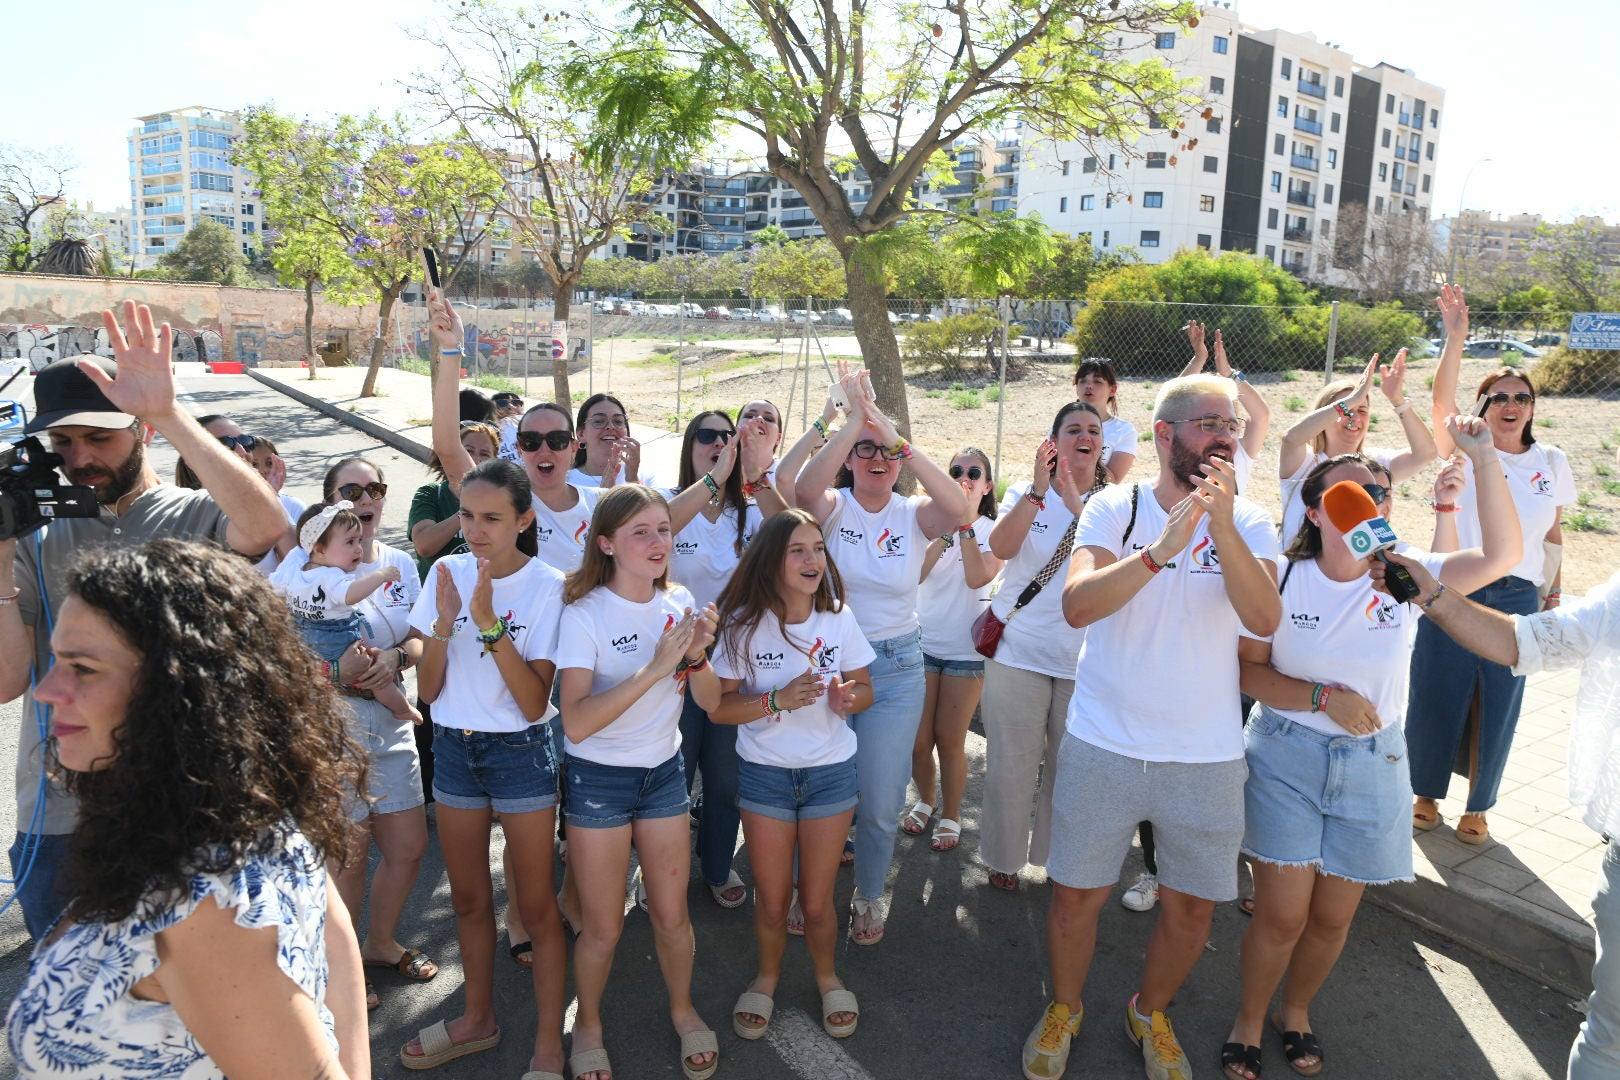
(64, 396)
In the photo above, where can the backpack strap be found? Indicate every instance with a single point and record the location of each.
(1130, 526)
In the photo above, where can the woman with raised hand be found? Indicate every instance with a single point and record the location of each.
(957, 573)
(1328, 789)
(768, 414)
(607, 455)
(1446, 678)
(490, 617)
(1338, 425)
(630, 643)
(879, 540)
(793, 666)
(212, 768)
(1028, 683)
(1254, 405)
(1097, 384)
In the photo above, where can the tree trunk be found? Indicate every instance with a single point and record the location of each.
(560, 303)
(868, 296)
(380, 345)
(309, 325)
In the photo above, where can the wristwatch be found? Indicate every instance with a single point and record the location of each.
(1238, 376)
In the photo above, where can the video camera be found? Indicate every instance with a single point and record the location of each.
(31, 493)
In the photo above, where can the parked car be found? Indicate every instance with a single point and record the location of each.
(800, 316)
(838, 316)
(769, 313)
(690, 310)
(637, 307)
(1509, 349)
(717, 312)
(1547, 341)
(666, 311)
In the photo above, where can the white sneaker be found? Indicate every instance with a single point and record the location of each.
(1143, 895)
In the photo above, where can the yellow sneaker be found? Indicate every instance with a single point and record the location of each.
(1046, 1051)
(1161, 1053)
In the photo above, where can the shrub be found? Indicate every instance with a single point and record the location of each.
(966, 399)
(955, 345)
(1578, 371)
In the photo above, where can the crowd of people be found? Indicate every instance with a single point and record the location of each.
(784, 630)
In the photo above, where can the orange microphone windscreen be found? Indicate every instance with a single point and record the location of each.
(1347, 505)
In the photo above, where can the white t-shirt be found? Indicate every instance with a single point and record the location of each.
(1344, 634)
(829, 641)
(314, 592)
(1244, 464)
(1158, 679)
(1540, 481)
(880, 557)
(560, 534)
(1293, 503)
(294, 510)
(1038, 638)
(706, 552)
(387, 611)
(1119, 437)
(946, 607)
(581, 478)
(475, 696)
(613, 638)
(509, 431)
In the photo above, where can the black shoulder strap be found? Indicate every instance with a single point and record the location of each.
(1130, 526)
(1287, 570)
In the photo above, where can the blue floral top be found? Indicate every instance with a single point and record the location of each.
(75, 1016)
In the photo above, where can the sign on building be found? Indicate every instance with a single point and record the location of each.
(1595, 330)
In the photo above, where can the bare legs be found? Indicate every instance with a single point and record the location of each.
(948, 704)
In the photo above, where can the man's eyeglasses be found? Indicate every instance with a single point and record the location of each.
(710, 436)
(231, 442)
(1210, 424)
(601, 423)
(866, 450)
(972, 472)
(376, 489)
(1503, 399)
(531, 441)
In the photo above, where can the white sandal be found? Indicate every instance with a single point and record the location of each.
(732, 882)
(946, 829)
(915, 820)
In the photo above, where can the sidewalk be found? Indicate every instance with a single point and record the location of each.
(1525, 898)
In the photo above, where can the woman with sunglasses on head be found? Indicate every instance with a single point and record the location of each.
(607, 455)
(1448, 681)
(1097, 385)
(1328, 788)
(879, 540)
(508, 412)
(629, 645)
(1028, 683)
(1338, 425)
(768, 414)
(957, 572)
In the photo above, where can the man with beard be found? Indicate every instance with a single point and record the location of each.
(1163, 575)
(87, 409)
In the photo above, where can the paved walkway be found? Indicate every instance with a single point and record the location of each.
(1524, 898)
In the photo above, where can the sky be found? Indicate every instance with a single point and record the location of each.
(1532, 95)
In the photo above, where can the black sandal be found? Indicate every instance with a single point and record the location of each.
(1300, 1044)
(1236, 1055)
(522, 952)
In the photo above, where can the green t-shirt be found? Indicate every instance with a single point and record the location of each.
(434, 503)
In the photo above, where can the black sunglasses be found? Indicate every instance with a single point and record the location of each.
(710, 436)
(531, 441)
(246, 442)
(1377, 492)
(867, 450)
(376, 489)
(973, 472)
(509, 399)
(1503, 399)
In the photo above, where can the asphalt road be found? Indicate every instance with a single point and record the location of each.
(960, 976)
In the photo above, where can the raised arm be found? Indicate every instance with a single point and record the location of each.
(812, 488)
(1012, 528)
(1253, 402)
(585, 713)
(1454, 317)
(945, 504)
(448, 334)
(367, 584)
(1448, 485)
(1420, 442)
(1251, 583)
(1296, 441)
(1200, 356)
(1501, 539)
(1478, 629)
(1099, 585)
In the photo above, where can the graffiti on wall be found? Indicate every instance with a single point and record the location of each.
(39, 345)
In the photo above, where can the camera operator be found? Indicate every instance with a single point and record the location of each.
(98, 417)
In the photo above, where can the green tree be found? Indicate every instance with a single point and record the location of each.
(1001, 253)
(887, 87)
(771, 236)
(799, 268)
(208, 252)
(613, 277)
(1573, 260)
(528, 277)
(304, 255)
(31, 182)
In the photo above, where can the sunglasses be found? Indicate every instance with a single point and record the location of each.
(1377, 492)
(867, 450)
(1503, 399)
(710, 436)
(972, 472)
(509, 400)
(248, 442)
(376, 489)
(531, 441)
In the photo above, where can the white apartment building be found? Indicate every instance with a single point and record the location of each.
(180, 171)
(1294, 130)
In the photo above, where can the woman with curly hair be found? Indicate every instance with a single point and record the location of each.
(212, 768)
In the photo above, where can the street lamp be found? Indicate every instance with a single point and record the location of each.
(1462, 198)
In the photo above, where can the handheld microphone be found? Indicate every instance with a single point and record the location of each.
(1354, 514)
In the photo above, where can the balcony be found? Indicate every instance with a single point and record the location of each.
(158, 168)
(1312, 127)
(1007, 167)
(1406, 118)
(791, 202)
(160, 189)
(1400, 153)
(728, 228)
(1302, 198)
(1298, 234)
(1312, 89)
(1305, 161)
(958, 189)
(152, 126)
(738, 187)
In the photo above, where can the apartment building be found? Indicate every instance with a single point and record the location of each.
(1293, 131)
(180, 171)
(1479, 238)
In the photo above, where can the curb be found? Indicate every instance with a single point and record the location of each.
(380, 432)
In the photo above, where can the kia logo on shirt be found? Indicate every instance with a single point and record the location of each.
(850, 536)
(1306, 622)
(769, 657)
(686, 547)
(542, 535)
(1037, 526)
(625, 644)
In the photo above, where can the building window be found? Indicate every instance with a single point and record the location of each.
(1088, 202)
(1384, 139)
(1338, 86)
(1164, 41)
(1065, 168)
(1205, 240)
(1425, 183)
(1105, 238)
(1378, 204)
(1389, 103)
(1206, 203)
(1327, 194)
(1154, 123)
(1155, 159)
(1211, 163)
(1282, 106)
(1276, 181)
(247, 208)
(1333, 123)
(1088, 165)
(1383, 170)
(1271, 218)
(247, 228)
(1434, 117)
(1063, 205)
(1333, 158)
(1153, 200)
(1287, 68)
(1277, 144)
(1150, 238)
(1221, 44)
(1429, 153)
(1271, 253)
(1217, 85)
(1113, 162)
(1213, 125)
(1327, 227)
(1108, 201)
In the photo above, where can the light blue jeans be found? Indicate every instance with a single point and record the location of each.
(1596, 1054)
(885, 734)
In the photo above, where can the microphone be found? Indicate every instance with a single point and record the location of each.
(1354, 514)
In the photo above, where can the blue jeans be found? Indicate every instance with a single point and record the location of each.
(713, 748)
(885, 734)
(1596, 1053)
(1444, 678)
(40, 900)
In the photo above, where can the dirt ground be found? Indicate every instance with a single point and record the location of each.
(727, 374)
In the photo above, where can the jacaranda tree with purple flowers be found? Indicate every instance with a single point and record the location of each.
(358, 198)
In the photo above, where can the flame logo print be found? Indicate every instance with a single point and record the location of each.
(1540, 484)
(669, 621)
(1379, 612)
(889, 542)
(579, 533)
(1204, 554)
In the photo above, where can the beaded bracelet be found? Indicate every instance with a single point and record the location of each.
(900, 451)
(767, 701)
(821, 428)
(714, 489)
(753, 487)
(1316, 697)
(1038, 500)
(1147, 560)
(493, 634)
(1344, 410)
(1439, 591)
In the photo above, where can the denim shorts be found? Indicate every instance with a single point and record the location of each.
(1338, 804)
(962, 669)
(331, 638)
(510, 772)
(608, 796)
(797, 794)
